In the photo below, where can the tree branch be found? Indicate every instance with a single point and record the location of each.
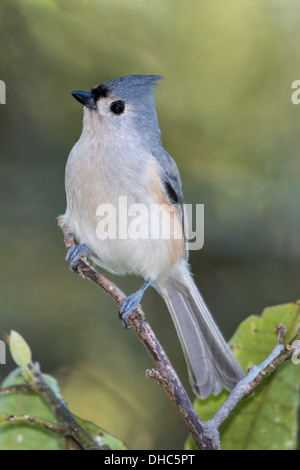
(255, 377)
(205, 434)
(24, 388)
(36, 384)
(165, 373)
(67, 423)
(46, 424)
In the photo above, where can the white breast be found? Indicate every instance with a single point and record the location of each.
(98, 176)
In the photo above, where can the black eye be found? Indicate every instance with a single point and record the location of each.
(117, 107)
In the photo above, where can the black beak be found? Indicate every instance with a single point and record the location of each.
(85, 98)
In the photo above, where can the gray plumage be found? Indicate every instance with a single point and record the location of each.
(120, 153)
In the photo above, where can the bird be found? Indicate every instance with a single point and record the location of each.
(119, 156)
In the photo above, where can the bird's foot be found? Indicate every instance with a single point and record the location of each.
(75, 253)
(129, 304)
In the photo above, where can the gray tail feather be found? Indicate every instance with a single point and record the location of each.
(210, 362)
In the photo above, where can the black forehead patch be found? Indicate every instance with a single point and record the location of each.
(100, 91)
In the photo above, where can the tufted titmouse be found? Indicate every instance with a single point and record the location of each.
(120, 153)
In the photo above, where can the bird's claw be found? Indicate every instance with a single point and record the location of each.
(129, 304)
(75, 253)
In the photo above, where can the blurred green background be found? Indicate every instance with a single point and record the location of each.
(227, 118)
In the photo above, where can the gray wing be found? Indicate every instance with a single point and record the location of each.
(172, 181)
(170, 175)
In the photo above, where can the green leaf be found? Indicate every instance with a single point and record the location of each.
(101, 436)
(268, 419)
(19, 349)
(28, 436)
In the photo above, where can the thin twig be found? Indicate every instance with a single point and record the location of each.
(255, 377)
(67, 424)
(46, 424)
(66, 420)
(24, 388)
